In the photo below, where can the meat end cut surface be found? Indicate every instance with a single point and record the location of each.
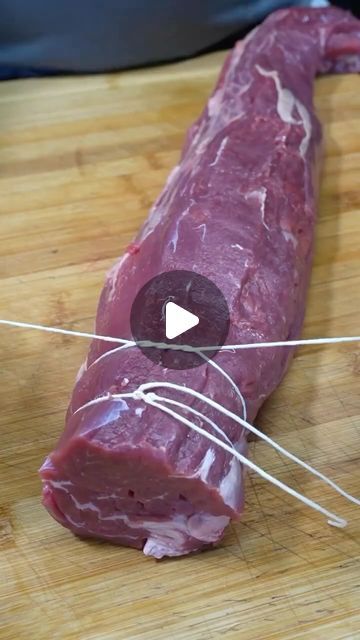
(238, 209)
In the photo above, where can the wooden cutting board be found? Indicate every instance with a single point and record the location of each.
(81, 161)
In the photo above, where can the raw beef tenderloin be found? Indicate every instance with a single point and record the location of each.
(239, 209)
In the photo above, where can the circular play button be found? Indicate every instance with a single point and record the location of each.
(179, 308)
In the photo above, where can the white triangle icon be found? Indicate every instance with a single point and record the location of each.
(178, 320)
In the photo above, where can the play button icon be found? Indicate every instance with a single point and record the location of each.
(178, 320)
(184, 310)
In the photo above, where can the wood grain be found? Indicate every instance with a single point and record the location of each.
(81, 160)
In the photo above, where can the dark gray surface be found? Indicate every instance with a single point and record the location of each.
(98, 35)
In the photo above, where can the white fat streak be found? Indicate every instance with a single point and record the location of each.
(289, 237)
(81, 371)
(262, 200)
(203, 232)
(304, 115)
(81, 506)
(214, 103)
(175, 236)
(229, 486)
(84, 506)
(236, 282)
(286, 103)
(112, 276)
(155, 216)
(158, 211)
(260, 195)
(206, 464)
(322, 37)
(60, 484)
(77, 525)
(207, 128)
(285, 98)
(219, 151)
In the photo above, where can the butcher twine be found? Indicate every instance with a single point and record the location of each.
(145, 394)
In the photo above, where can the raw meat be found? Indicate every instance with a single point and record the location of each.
(240, 210)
